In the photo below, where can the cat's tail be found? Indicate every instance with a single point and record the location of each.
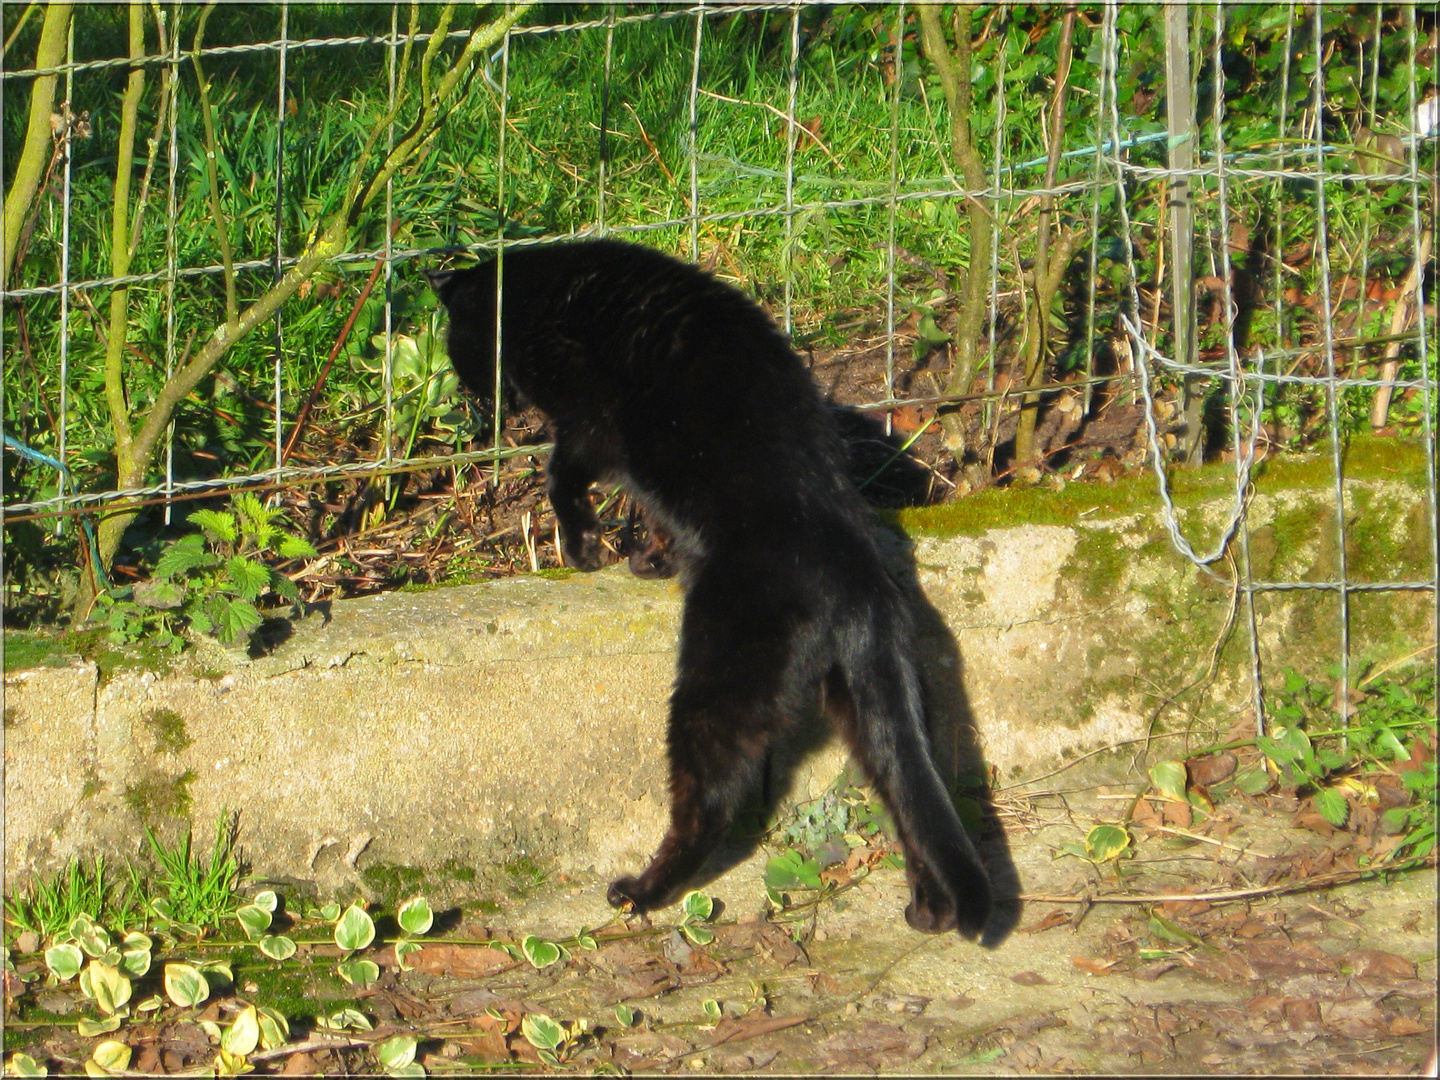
(875, 694)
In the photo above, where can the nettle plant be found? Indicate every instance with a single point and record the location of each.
(213, 582)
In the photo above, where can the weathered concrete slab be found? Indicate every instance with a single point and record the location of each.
(476, 724)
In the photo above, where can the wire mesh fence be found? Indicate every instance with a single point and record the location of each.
(1249, 266)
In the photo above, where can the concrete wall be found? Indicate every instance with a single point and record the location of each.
(472, 725)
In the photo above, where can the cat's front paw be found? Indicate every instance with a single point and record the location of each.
(583, 551)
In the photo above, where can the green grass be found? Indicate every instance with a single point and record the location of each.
(199, 889)
(833, 257)
(89, 887)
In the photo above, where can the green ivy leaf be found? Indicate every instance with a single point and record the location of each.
(541, 1032)
(330, 912)
(267, 901)
(712, 1009)
(1105, 842)
(277, 946)
(624, 1015)
(1253, 781)
(1167, 931)
(185, 986)
(1169, 778)
(540, 953)
(697, 905)
(354, 929)
(243, 1035)
(64, 961)
(792, 870)
(254, 920)
(415, 916)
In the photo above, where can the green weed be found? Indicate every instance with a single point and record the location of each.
(197, 891)
(90, 887)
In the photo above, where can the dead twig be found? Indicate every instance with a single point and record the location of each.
(1309, 884)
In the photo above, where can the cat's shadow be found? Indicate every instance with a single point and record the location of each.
(955, 745)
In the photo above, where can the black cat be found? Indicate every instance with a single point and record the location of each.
(654, 373)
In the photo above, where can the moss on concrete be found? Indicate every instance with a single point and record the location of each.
(1365, 458)
(394, 883)
(168, 727)
(157, 797)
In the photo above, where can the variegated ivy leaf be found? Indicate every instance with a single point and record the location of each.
(109, 986)
(25, 1065)
(540, 953)
(243, 1035)
(404, 949)
(277, 946)
(355, 929)
(396, 1052)
(415, 916)
(87, 1028)
(185, 986)
(697, 905)
(359, 973)
(274, 1028)
(112, 1055)
(541, 1032)
(254, 920)
(64, 961)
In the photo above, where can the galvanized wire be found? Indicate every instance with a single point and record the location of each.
(1248, 380)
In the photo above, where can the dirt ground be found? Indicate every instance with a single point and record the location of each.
(1291, 966)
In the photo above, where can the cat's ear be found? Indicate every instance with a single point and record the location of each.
(439, 279)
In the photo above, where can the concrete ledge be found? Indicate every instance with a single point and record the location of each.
(472, 725)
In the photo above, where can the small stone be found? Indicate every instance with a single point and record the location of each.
(28, 942)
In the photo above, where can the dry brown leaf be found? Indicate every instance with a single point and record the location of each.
(1055, 917)
(460, 961)
(748, 1027)
(1403, 1025)
(1030, 978)
(301, 1064)
(1375, 964)
(1093, 966)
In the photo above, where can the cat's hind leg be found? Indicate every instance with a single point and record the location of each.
(729, 703)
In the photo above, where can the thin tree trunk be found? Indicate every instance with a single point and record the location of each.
(955, 80)
(36, 150)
